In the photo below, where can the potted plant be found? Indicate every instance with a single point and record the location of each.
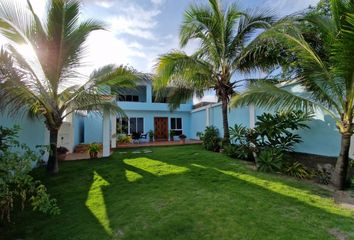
(183, 137)
(94, 148)
(172, 134)
(62, 151)
(151, 135)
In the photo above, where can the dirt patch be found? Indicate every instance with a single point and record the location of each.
(339, 235)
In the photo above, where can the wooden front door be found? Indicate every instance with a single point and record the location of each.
(161, 128)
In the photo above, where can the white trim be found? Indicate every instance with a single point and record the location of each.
(136, 122)
(176, 129)
(205, 107)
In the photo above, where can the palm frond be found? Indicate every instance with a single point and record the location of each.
(270, 97)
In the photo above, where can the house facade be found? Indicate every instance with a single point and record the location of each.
(143, 112)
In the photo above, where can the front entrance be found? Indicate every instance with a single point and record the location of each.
(161, 128)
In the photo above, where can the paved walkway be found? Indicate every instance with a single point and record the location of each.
(158, 143)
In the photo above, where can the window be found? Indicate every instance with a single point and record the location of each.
(122, 125)
(128, 98)
(176, 125)
(136, 125)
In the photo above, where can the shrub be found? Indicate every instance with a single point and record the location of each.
(275, 130)
(269, 160)
(324, 174)
(17, 187)
(211, 139)
(151, 135)
(123, 138)
(238, 151)
(297, 170)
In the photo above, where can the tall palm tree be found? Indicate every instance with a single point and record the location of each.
(222, 34)
(321, 62)
(39, 82)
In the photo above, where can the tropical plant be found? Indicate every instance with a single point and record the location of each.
(320, 62)
(94, 149)
(17, 187)
(269, 160)
(151, 135)
(238, 151)
(276, 130)
(211, 139)
(172, 134)
(123, 138)
(223, 33)
(40, 82)
(297, 170)
(272, 131)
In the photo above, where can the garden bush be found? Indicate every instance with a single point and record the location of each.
(297, 170)
(17, 187)
(269, 160)
(211, 139)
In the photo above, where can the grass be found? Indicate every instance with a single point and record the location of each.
(180, 192)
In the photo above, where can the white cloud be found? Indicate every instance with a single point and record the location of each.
(104, 4)
(104, 48)
(157, 2)
(134, 20)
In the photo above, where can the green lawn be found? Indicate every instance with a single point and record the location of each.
(180, 192)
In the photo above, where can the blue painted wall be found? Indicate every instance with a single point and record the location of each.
(198, 123)
(93, 123)
(93, 128)
(33, 131)
(79, 128)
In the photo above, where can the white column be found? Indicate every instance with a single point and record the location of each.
(207, 112)
(148, 93)
(106, 133)
(113, 131)
(252, 112)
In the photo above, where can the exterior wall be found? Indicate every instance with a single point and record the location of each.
(199, 118)
(322, 138)
(79, 125)
(93, 123)
(198, 122)
(33, 131)
(93, 128)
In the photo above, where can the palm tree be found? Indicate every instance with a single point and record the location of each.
(321, 62)
(222, 34)
(40, 82)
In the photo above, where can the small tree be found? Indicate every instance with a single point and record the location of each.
(40, 83)
(17, 187)
(321, 63)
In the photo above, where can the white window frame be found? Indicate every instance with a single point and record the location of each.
(136, 124)
(176, 129)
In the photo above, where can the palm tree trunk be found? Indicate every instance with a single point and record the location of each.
(52, 165)
(339, 177)
(225, 122)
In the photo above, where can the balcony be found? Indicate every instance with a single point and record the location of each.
(146, 106)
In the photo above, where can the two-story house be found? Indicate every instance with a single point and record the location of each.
(143, 112)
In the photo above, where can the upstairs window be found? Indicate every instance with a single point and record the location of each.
(128, 98)
(176, 125)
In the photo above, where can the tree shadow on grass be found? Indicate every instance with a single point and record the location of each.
(210, 202)
(178, 193)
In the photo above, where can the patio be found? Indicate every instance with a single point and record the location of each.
(82, 152)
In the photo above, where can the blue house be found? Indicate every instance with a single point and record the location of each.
(143, 112)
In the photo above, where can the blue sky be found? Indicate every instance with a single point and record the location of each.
(138, 31)
(141, 30)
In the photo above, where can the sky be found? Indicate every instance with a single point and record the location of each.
(138, 31)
